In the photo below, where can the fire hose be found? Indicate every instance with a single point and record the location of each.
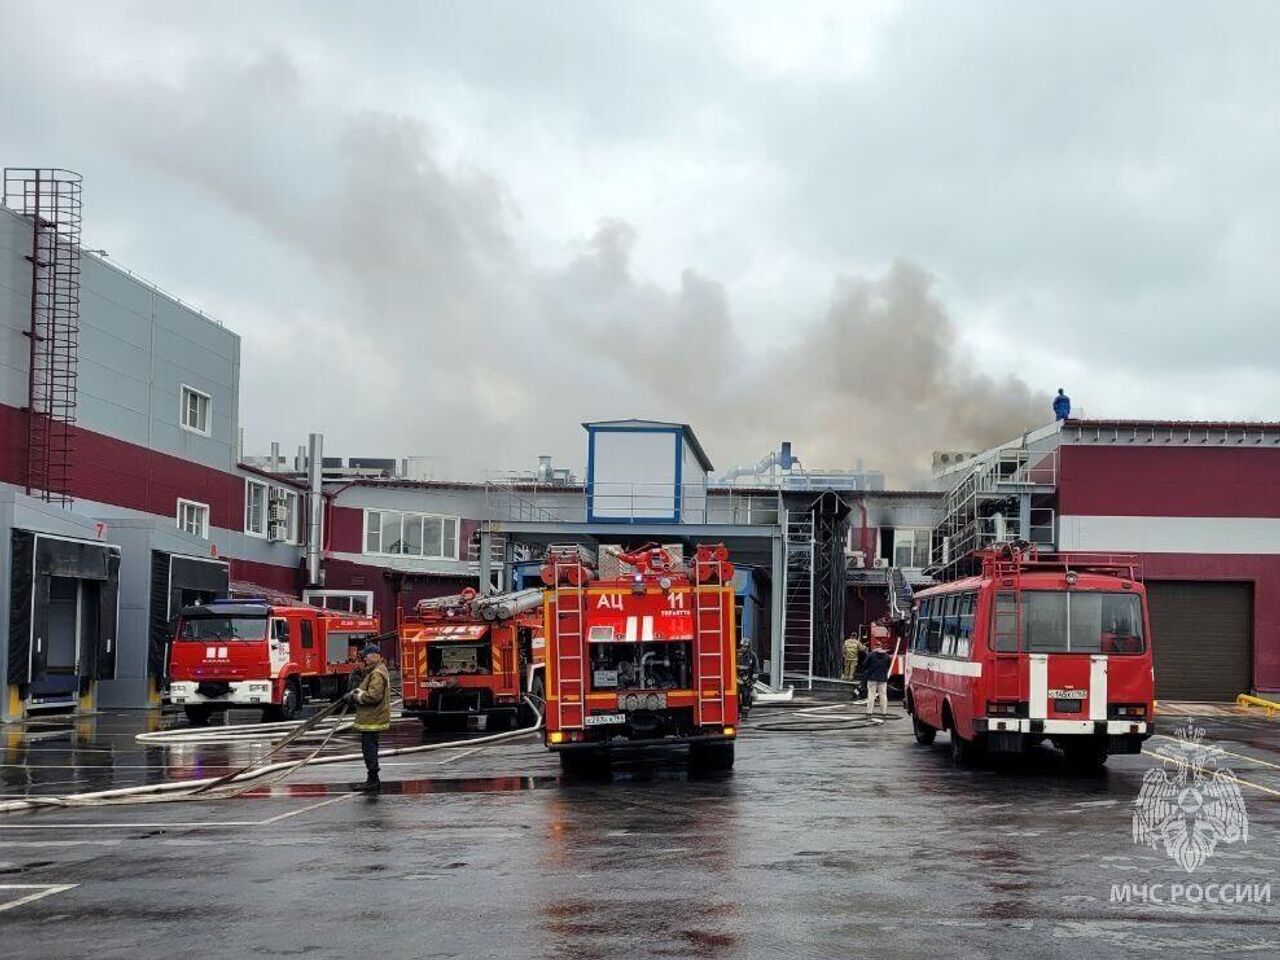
(813, 716)
(246, 777)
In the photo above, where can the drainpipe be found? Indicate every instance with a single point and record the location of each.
(867, 560)
(315, 507)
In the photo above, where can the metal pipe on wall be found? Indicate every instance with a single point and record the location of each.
(315, 506)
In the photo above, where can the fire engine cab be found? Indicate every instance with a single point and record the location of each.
(644, 659)
(1036, 647)
(249, 653)
(468, 656)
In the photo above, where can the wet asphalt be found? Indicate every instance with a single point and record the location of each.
(853, 842)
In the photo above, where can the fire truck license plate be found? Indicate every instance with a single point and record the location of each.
(604, 719)
(1068, 694)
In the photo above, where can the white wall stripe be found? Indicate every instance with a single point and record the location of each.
(1219, 535)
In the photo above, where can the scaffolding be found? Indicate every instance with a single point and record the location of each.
(797, 610)
(1006, 495)
(51, 199)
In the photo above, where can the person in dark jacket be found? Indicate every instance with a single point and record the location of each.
(373, 713)
(1061, 406)
(876, 670)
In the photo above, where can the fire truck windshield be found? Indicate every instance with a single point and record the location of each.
(1072, 621)
(224, 628)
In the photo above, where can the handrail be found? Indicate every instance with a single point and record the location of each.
(1248, 700)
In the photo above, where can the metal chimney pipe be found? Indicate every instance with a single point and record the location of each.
(300, 461)
(276, 466)
(315, 506)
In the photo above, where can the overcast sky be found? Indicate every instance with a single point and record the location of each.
(459, 229)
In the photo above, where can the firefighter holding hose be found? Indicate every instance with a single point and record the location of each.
(372, 699)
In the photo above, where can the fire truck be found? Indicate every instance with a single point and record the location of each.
(646, 658)
(251, 653)
(469, 656)
(1036, 647)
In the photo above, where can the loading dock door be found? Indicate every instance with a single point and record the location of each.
(1202, 638)
(177, 582)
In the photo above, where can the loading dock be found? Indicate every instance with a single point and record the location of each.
(1202, 638)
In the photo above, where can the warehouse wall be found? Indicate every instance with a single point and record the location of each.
(1195, 513)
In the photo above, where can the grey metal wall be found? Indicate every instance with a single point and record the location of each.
(137, 347)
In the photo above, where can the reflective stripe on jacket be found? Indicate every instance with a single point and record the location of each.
(373, 700)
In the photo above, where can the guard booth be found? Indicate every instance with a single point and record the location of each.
(645, 471)
(63, 608)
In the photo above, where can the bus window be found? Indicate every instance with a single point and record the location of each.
(919, 629)
(934, 641)
(949, 618)
(964, 627)
(1081, 622)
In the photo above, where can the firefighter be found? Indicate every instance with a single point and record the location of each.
(852, 647)
(373, 713)
(876, 672)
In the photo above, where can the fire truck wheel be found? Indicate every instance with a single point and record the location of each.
(197, 715)
(710, 757)
(964, 752)
(925, 734)
(583, 763)
(290, 703)
(1085, 754)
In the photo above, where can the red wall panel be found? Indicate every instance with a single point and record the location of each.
(346, 527)
(107, 470)
(1163, 481)
(285, 579)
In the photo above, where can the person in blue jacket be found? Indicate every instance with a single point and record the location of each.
(1061, 406)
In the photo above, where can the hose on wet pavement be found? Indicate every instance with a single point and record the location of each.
(813, 716)
(247, 777)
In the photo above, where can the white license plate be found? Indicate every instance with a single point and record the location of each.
(604, 719)
(433, 684)
(1068, 694)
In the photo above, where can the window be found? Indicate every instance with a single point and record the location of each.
(292, 517)
(934, 640)
(390, 532)
(194, 415)
(306, 635)
(1081, 622)
(194, 518)
(964, 631)
(950, 624)
(280, 630)
(907, 546)
(255, 508)
(224, 628)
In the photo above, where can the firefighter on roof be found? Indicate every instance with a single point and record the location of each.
(1061, 406)
(373, 713)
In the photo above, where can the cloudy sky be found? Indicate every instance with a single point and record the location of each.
(877, 229)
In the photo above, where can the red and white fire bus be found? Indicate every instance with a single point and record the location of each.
(1053, 647)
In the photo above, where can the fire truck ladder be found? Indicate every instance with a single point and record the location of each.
(51, 199)
(1006, 618)
(709, 620)
(797, 611)
(570, 627)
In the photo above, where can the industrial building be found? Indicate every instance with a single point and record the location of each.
(124, 495)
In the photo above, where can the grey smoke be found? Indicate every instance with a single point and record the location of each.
(429, 330)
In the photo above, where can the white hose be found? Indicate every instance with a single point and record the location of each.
(147, 793)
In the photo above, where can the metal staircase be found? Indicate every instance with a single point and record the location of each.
(900, 594)
(797, 611)
(51, 199)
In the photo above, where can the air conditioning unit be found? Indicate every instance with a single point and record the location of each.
(278, 512)
(277, 531)
(279, 495)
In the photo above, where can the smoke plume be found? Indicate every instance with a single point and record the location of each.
(407, 298)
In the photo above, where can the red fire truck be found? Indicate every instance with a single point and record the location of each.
(647, 658)
(470, 656)
(1054, 646)
(248, 653)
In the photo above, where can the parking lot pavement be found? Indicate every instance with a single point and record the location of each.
(819, 844)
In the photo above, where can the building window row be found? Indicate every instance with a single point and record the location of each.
(193, 518)
(392, 533)
(195, 412)
(271, 512)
